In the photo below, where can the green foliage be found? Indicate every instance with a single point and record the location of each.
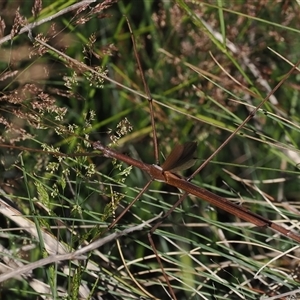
(74, 79)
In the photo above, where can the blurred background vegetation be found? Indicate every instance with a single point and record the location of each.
(207, 64)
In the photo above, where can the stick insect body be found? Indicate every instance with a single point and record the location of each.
(162, 174)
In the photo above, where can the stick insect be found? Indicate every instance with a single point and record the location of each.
(181, 156)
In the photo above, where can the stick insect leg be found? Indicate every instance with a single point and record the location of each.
(156, 155)
(152, 124)
(147, 91)
(155, 143)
